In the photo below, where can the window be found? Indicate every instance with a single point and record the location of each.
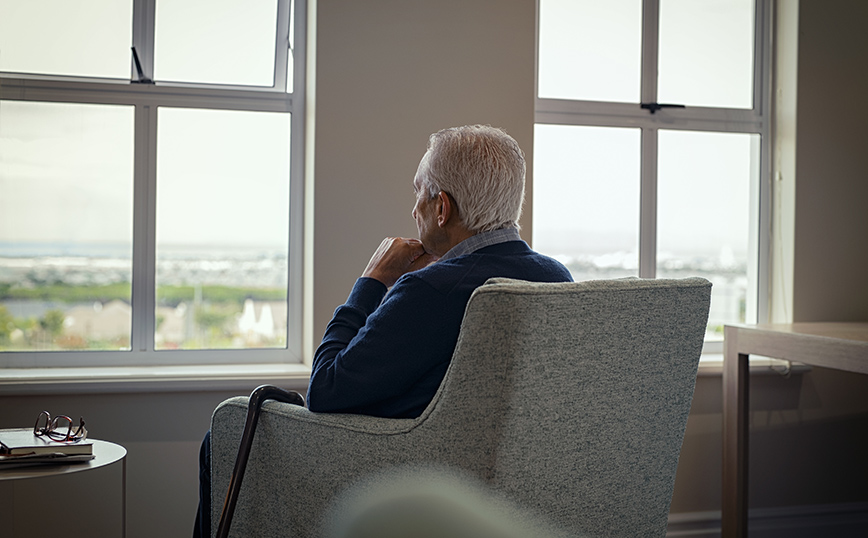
(150, 182)
(651, 144)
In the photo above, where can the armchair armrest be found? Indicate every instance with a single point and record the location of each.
(299, 461)
(257, 398)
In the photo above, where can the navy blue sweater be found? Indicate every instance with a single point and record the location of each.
(387, 357)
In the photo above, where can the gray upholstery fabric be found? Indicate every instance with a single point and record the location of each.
(569, 399)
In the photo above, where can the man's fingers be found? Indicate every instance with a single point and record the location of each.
(424, 260)
(394, 257)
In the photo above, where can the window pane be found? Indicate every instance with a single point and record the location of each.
(60, 37)
(706, 53)
(704, 216)
(222, 228)
(215, 41)
(66, 187)
(590, 50)
(586, 199)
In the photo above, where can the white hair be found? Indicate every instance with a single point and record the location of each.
(483, 169)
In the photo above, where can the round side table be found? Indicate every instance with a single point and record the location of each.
(68, 494)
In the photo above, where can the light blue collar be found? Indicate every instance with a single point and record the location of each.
(482, 240)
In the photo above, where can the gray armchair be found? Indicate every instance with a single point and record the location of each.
(569, 400)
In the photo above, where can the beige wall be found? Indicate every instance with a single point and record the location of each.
(389, 72)
(831, 177)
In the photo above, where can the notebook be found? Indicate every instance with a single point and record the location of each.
(21, 441)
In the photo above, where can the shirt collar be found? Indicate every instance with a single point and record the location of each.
(482, 240)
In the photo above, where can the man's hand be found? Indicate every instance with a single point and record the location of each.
(396, 256)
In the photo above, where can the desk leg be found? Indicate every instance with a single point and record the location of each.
(736, 378)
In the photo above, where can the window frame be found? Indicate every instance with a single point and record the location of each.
(757, 120)
(146, 98)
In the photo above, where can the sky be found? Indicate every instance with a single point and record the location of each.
(587, 179)
(66, 171)
(67, 175)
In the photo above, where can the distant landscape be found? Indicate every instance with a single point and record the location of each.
(78, 297)
(61, 297)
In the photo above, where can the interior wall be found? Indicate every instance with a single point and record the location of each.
(831, 235)
(389, 73)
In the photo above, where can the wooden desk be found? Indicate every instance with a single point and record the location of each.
(842, 346)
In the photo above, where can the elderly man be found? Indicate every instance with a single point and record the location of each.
(385, 352)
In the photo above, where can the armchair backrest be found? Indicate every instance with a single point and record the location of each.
(580, 392)
(568, 399)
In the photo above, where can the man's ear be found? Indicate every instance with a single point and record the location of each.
(445, 209)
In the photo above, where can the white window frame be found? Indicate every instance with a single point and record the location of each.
(146, 98)
(757, 120)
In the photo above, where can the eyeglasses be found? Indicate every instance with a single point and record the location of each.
(59, 428)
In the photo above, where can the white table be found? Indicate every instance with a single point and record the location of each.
(842, 346)
(67, 495)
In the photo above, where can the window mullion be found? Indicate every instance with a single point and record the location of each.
(300, 261)
(650, 46)
(763, 107)
(648, 172)
(629, 115)
(144, 211)
(144, 15)
(648, 205)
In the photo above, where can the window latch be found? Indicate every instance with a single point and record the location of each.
(654, 107)
(142, 78)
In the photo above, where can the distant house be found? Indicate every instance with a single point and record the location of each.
(253, 326)
(172, 325)
(258, 323)
(99, 321)
(262, 321)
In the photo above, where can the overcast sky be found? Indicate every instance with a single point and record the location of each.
(66, 170)
(586, 179)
